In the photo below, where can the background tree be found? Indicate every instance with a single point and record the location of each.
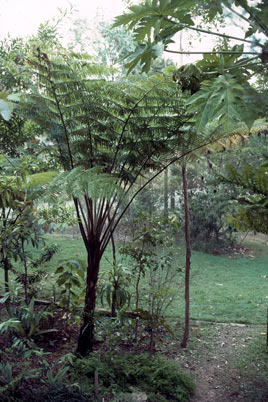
(12, 53)
(19, 224)
(250, 209)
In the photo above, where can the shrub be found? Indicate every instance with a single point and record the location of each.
(153, 257)
(208, 227)
(160, 378)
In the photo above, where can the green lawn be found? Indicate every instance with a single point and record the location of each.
(228, 289)
(223, 288)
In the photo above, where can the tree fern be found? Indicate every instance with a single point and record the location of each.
(108, 133)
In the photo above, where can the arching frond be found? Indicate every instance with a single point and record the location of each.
(79, 181)
(105, 123)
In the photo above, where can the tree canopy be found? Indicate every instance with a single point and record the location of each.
(225, 94)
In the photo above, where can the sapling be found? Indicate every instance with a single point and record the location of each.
(154, 259)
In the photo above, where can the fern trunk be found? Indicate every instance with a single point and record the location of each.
(86, 335)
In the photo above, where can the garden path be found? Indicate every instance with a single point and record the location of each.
(218, 379)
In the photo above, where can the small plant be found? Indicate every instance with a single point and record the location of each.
(71, 279)
(10, 382)
(114, 289)
(116, 328)
(26, 322)
(53, 374)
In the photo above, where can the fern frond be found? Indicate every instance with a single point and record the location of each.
(79, 181)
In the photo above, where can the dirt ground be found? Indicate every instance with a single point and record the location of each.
(217, 379)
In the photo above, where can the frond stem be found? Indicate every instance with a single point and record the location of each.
(125, 125)
(217, 34)
(80, 223)
(211, 52)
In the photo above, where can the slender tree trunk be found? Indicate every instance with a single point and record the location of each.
(6, 269)
(25, 274)
(166, 193)
(5, 261)
(86, 336)
(114, 249)
(137, 289)
(173, 176)
(113, 243)
(150, 203)
(188, 256)
(6, 278)
(172, 200)
(113, 307)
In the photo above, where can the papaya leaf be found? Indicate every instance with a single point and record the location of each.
(223, 98)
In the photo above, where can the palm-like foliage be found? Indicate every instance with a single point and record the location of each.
(107, 134)
(119, 129)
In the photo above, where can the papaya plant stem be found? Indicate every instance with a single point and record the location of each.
(188, 256)
(137, 289)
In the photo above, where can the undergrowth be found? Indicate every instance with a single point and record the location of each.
(161, 379)
(60, 394)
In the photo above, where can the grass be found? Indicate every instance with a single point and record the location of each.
(223, 288)
(228, 289)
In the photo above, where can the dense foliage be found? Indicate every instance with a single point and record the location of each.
(159, 377)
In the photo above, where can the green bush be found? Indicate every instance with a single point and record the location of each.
(160, 378)
(209, 230)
